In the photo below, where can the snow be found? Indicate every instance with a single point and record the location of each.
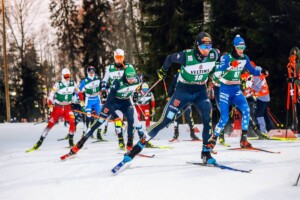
(41, 175)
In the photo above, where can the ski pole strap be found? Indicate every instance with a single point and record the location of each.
(150, 89)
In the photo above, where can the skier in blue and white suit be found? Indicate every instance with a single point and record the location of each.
(90, 85)
(230, 90)
(196, 64)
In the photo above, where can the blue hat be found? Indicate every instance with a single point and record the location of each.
(238, 40)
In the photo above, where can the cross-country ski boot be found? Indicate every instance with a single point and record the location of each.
(263, 136)
(71, 140)
(99, 135)
(39, 143)
(176, 134)
(193, 136)
(142, 135)
(244, 142)
(135, 150)
(129, 143)
(121, 141)
(206, 156)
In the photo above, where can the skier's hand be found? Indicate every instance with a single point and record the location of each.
(82, 104)
(291, 80)
(135, 97)
(152, 111)
(161, 73)
(104, 94)
(50, 106)
(234, 63)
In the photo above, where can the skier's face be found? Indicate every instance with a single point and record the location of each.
(204, 49)
(240, 50)
(119, 59)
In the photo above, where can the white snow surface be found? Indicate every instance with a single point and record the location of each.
(40, 175)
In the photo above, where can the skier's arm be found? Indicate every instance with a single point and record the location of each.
(172, 85)
(224, 63)
(113, 91)
(81, 86)
(176, 58)
(251, 69)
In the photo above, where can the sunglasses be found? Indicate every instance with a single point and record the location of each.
(241, 47)
(118, 57)
(130, 78)
(205, 46)
(67, 76)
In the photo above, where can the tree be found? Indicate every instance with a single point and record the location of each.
(64, 18)
(94, 30)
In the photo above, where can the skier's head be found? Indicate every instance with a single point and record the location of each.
(145, 87)
(129, 76)
(65, 74)
(119, 57)
(203, 44)
(239, 45)
(91, 71)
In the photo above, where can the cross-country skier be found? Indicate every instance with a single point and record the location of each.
(196, 64)
(118, 99)
(61, 96)
(90, 86)
(142, 105)
(230, 90)
(114, 72)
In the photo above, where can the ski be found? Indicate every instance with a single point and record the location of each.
(225, 144)
(143, 155)
(61, 139)
(191, 140)
(120, 167)
(220, 166)
(30, 150)
(67, 156)
(160, 147)
(100, 141)
(174, 140)
(255, 149)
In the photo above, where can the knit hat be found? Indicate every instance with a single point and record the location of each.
(238, 40)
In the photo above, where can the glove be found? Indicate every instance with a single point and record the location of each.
(152, 111)
(291, 80)
(234, 63)
(50, 105)
(80, 95)
(161, 73)
(135, 97)
(82, 104)
(104, 94)
(168, 99)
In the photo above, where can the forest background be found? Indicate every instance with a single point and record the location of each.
(77, 34)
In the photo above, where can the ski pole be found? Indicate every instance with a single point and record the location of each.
(297, 180)
(165, 86)
(150, 88)
(134, 110)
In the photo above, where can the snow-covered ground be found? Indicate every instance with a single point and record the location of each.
(40, 175)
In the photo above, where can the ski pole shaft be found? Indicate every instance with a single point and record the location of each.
(150, 88)
(165, 86)
(134, 110)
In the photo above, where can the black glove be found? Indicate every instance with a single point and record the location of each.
(161, 73)
(135, 97)
(104, 94)
(291, 80)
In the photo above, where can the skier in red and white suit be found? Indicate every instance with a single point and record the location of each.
(143, 104)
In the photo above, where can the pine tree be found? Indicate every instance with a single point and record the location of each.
(64, 18)
(95, 29)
